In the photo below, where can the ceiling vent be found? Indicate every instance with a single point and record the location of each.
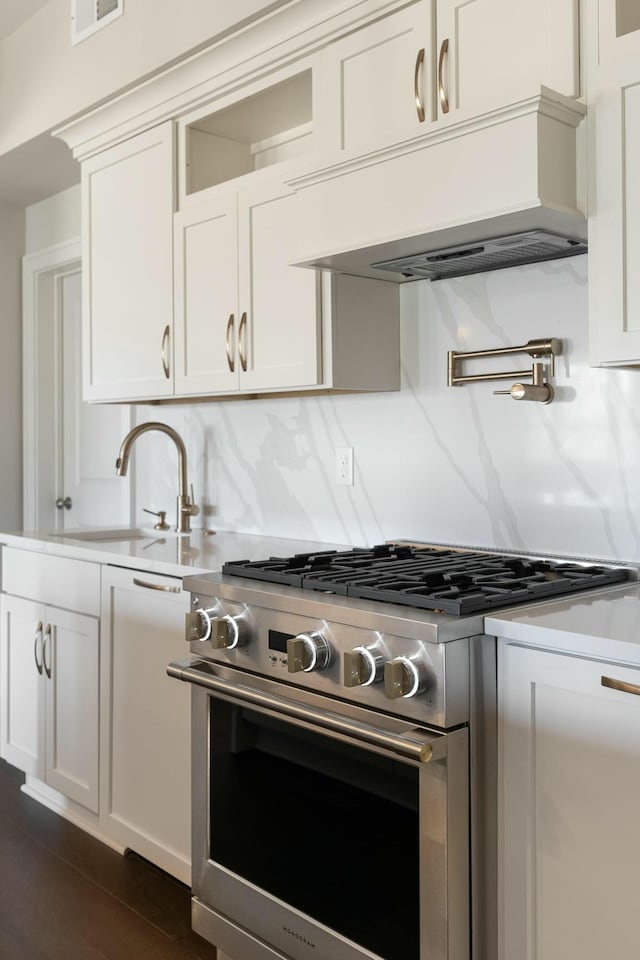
(87, 16)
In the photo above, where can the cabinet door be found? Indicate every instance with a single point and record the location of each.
(206, 297)
(279, 332)
(614, 208)
(374, 78)
(495, 52)
(21, 691)
(568, 794)
(146, 730)
(71, 670)
(128, 203)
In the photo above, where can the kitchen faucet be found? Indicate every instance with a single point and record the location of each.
(186, 506)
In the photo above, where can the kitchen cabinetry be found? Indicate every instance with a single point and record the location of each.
(614, 202)
(50, 679)
(431, 59)
(127, 210)
(146, 719)
(569, 749)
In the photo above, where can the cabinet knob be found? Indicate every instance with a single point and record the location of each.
(64, 503)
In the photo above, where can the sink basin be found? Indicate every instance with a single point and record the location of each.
(109, 536)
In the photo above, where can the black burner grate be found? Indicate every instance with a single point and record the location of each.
(451, 581)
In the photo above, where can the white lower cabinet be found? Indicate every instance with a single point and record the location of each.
(569, 779)
(49, 718)
(146, 719)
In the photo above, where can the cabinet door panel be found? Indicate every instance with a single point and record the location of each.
(280, 338)
(569, 783)
(146, 785)
(501, 51)
(72, 698)
(371, 75)
(206, 297)
(128, 202)
(614, 221)
(21, 703)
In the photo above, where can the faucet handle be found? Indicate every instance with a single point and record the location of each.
(190, 508)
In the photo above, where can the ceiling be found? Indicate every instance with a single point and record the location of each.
(15, 12)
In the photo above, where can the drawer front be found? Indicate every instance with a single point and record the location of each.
(59, 581)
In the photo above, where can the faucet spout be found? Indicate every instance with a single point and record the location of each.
(186, 507)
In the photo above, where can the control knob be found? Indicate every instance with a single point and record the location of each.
(404, 677)
(223, 632)
(308, 652)
(363, 666)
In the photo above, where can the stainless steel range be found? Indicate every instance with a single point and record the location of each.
(344, 750)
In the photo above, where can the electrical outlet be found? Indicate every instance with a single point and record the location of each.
(344, 466)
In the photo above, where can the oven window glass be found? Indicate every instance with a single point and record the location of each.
(329, 828)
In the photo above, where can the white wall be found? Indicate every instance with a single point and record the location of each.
(53, 221)
(11, 247)
(452, 465)
(45, 81)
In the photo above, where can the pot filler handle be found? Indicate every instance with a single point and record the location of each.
(416, 745)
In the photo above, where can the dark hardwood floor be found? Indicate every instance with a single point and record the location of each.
(66, 896)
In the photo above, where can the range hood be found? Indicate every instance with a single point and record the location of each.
(514, 250)
(465, 196)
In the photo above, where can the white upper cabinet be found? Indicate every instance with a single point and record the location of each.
(436, 58)
(494, 52)
(614, 199)
(127, 209)
(379, 81)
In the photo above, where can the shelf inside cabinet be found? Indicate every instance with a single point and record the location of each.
(627, 17)
(272, 126)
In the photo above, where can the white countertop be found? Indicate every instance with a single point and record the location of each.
(167, 553)
(603, 624)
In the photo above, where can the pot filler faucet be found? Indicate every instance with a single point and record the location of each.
(186, 506)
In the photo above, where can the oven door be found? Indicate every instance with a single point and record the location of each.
(321, 829)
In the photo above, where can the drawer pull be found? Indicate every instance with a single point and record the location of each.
(156, 586)
(444, 99)
(620, 685)
(37, 637)
(416, 85)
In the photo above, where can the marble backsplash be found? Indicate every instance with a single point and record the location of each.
(447, 465)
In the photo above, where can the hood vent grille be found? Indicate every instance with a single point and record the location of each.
(510, 251)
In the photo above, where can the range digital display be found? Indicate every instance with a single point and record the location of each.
(278, 641)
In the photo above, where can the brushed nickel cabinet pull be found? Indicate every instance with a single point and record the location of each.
(165, 360)
(242, 346)
(47, 636)
(416, 85)
(227, 339)
(37, 637)
(444, 100)
(620, 685)
(156, 586)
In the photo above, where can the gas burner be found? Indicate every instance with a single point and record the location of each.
(452, 581)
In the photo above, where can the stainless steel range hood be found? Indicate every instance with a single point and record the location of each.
(516, 249)
(464, 196)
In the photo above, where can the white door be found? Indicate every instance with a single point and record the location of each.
(71, 671)
(70, 447)
(91, 433)
(206, 297)
(21, 690)
(569, 762)
(280, 313)
(146, 729)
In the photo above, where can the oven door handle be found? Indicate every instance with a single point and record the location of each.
(414, 745)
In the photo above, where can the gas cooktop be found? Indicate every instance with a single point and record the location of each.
(451, 581)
